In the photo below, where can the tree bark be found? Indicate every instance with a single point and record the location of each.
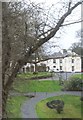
(5, 56)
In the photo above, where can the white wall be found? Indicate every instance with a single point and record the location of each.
(66, 64)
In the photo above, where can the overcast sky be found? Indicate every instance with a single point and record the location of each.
(69, 32)
(68, 35)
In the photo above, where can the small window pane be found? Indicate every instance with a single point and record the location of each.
(60, 67)
(54, 66)
(72, 68)
(72, 60)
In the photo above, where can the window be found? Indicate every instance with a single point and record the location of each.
(48, 68)
(72, 60)
(54, 66)
(72, 68)
(60, 60)
(54, 60)
(60, 67)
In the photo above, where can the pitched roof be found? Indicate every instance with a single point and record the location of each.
(62, 55)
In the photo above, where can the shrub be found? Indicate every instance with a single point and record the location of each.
(81, 98)
(73, 84)
(56, 104)
(35, 73)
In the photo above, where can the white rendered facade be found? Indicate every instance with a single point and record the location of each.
(67, 64)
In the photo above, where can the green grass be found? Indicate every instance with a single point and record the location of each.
(78, 76)
(31, 75)
(14, 106)
(36, 86)
(72, 108)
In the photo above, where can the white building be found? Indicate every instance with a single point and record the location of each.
(70, 63)
(60, 62)
(67, 64)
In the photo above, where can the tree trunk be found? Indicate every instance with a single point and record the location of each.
(5, 56)
(36, 68)
(7, 86)
(8, 83)
(4, 98)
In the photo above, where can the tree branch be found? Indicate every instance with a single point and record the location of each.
(72, 23)
(54, 31)
(42, 60)
(40, 42)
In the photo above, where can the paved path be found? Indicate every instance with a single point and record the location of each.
(28, 108)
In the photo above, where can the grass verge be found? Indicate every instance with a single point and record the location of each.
(78, 76)
(72, 108)
(14, 106)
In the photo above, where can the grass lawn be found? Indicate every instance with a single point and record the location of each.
(36, 86)
(14, 106)
(72, 108)
(78, 75)
(31, 75)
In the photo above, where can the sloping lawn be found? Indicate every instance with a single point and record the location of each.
(36, 86)
(78, 76)
(72, 108)
(31, 75)
(14, 106)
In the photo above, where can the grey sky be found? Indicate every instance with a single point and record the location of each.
(68, 35)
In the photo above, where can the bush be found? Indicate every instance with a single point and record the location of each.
(56, 104)
(35, 73)
(81, 98)
(73, 84)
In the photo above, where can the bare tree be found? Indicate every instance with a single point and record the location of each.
(24, 31)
